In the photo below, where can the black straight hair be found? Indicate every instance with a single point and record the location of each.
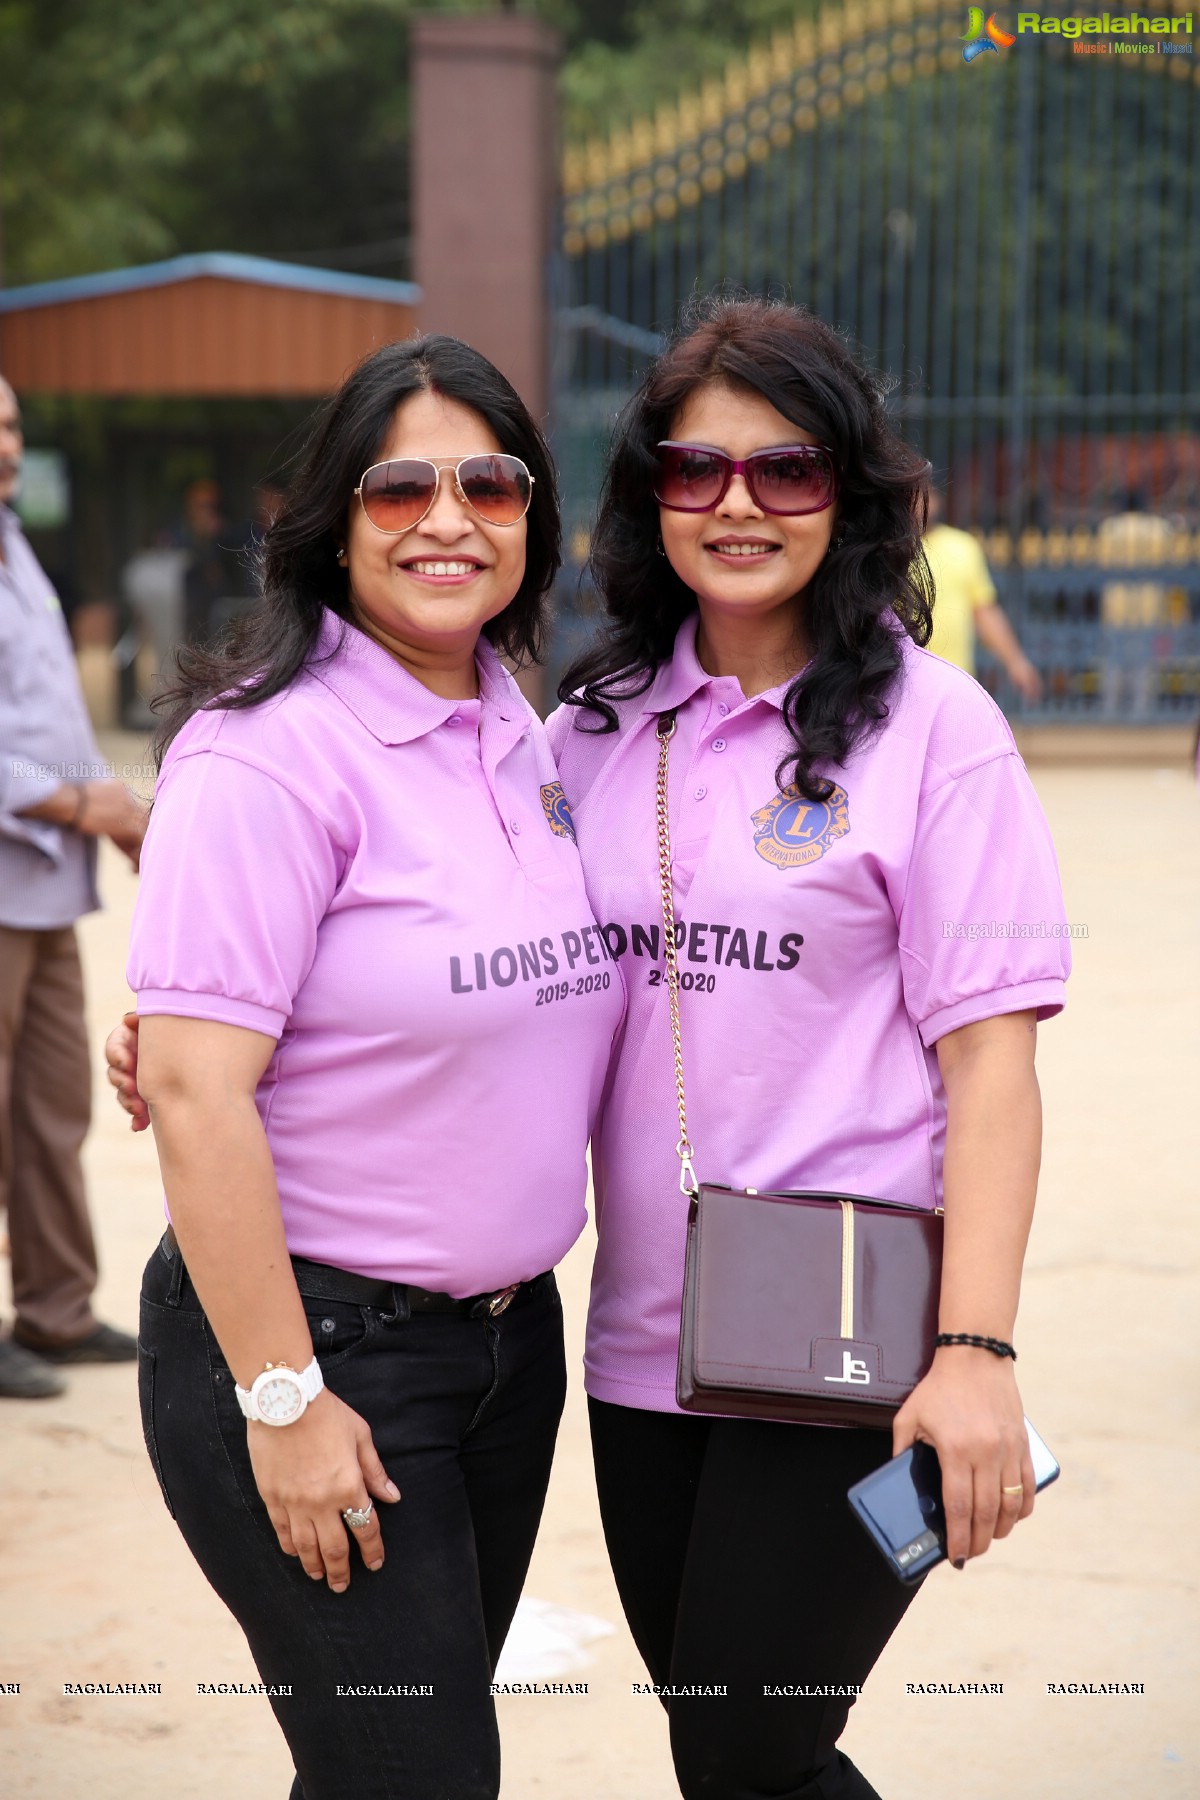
(873, 576)
(298, 568)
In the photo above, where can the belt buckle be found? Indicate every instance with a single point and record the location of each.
(502, 1301)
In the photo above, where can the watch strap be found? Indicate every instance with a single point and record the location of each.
(310, 1379)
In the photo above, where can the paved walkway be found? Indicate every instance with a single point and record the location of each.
(1101, 1586)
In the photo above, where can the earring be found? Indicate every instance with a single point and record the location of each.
(340, 556)
(659, 545)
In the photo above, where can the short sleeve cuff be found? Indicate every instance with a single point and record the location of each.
(1046, 997)
(173, 1003)
(39, 832)
(30, 788)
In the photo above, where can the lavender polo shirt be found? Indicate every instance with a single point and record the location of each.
(824, 949)
(388, 884)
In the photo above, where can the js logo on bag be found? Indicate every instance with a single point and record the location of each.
(790, 830)
(852, 1370)
(554, 803)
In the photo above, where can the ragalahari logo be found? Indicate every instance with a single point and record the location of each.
(984, 37)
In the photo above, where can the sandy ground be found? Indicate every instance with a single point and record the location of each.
(1099, 1587)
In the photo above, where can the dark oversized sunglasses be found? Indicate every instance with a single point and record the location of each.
(396, 495)
(795, 478)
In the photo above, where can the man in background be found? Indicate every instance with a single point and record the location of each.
(966, 607)
(1133, 611)
(214, 577)
(56, 799)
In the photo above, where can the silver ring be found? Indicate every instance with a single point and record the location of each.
(358, 1517)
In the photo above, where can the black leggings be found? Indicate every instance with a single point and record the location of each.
(739, 1564)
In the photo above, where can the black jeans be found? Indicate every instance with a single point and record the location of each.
(739, 1564)
(464, 1413)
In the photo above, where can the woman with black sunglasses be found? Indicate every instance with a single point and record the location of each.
(359, 882)
(868, 927)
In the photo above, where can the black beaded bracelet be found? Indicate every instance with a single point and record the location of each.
(997, 1346)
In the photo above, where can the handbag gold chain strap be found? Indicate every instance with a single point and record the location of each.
(688, 1183)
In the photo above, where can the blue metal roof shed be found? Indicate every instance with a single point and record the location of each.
(217, 324)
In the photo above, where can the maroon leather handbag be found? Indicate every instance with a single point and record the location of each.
(813, 1307)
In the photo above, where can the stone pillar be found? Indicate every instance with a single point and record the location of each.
(485, 177)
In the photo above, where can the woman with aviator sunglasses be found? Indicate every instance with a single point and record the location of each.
(843, 810)
(358, 871)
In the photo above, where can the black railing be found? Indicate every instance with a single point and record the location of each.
(1017, 240)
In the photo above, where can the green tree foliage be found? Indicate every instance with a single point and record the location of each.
(135, 131)
(132, 132)
(628, 55)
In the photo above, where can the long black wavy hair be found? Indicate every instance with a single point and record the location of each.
(874, 573)
(298, 566)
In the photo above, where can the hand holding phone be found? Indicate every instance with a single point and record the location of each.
(900, 1505)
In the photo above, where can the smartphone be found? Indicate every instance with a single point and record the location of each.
(900, 1505)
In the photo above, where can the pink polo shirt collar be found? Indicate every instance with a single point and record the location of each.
(682, 677)
(363, 676)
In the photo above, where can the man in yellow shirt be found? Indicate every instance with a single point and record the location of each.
(966, 606)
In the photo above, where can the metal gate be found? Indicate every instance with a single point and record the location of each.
(1014, 235)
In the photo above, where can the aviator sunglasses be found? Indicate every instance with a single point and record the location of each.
(396, 495)
(793, 479)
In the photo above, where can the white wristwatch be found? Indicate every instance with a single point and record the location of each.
(280, 1394)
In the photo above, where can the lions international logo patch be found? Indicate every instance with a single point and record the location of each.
(554, 801)
(790, 830)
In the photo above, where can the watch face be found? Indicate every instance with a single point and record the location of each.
(279, 1399)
